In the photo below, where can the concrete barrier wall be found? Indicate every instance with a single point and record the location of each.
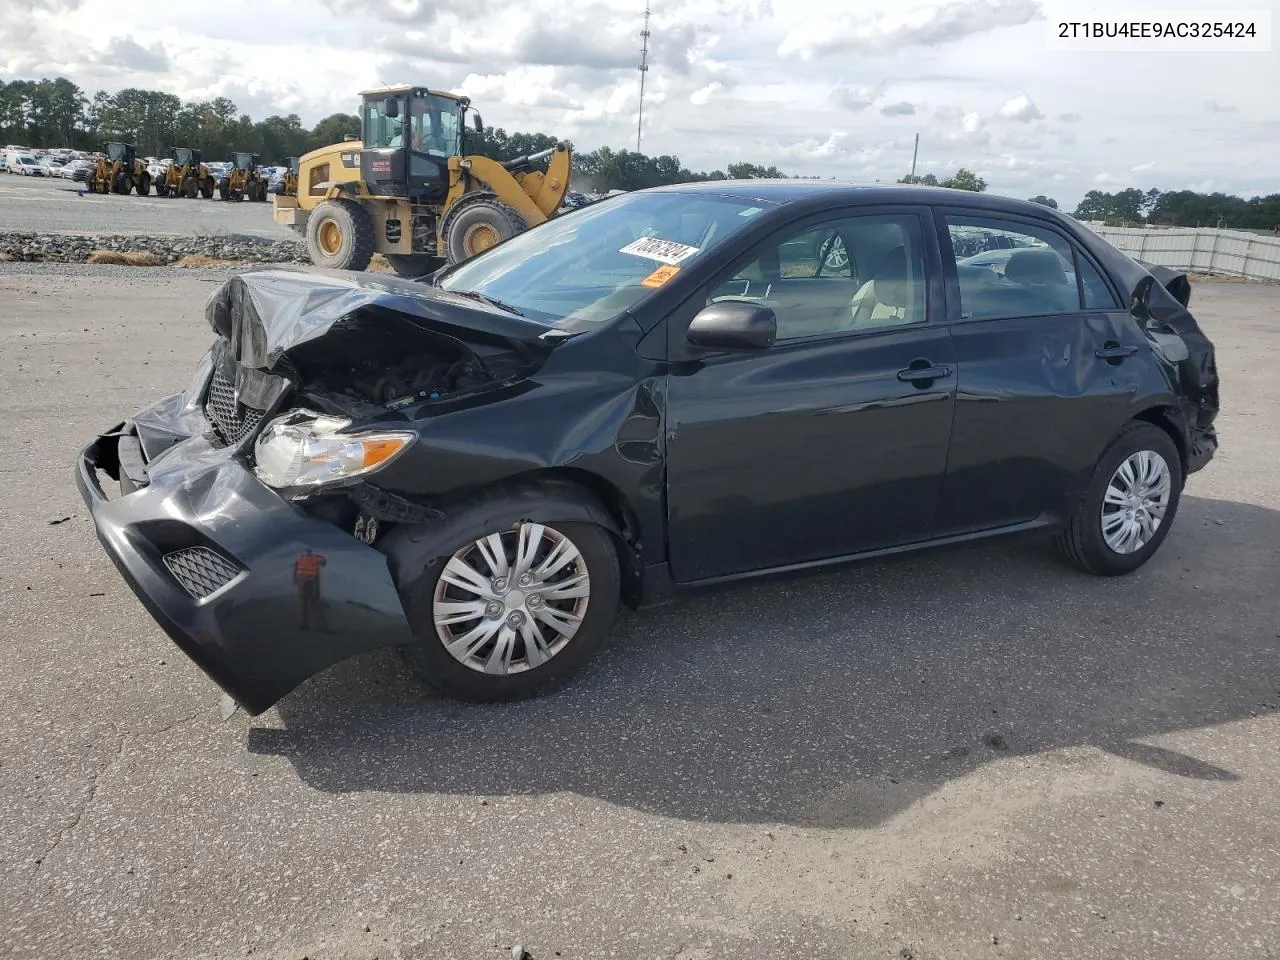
(1202, 249)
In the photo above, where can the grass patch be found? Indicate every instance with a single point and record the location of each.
(201, 260)
(130, 258)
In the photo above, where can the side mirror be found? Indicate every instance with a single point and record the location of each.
(477, 123)
(734, 325)
(391, 107)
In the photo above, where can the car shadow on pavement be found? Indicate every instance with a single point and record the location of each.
(837, 699)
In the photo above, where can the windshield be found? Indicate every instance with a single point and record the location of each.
(589, 265)
(431, 121)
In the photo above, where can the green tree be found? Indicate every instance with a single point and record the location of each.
(753, 171)
(964, 179)
(1046, 201)
(334, 129)
(928, 180)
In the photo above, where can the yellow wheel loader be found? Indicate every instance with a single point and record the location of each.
(120, 171)
(408, 190)
(243, 180)
(186, 176)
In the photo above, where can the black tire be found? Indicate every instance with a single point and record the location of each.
(354, 248)
(206, 188)
(1081, 541)
(122, 184)
(439, 668)
(162, 189)
(224, 189)
(414, 265)
(469, 214)
(144, 185)
(190, 188)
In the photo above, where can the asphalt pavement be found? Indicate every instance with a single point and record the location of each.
(974, 753)
(55, 205)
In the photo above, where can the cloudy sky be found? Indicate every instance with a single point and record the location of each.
(835, 88)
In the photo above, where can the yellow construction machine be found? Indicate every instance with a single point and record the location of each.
(243, 181)
(409, 190)
(120, 171)
(186, 176)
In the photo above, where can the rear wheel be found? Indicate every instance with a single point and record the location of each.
(414, 265)
(511, 607)
(144, 185)
(1129, 505)
(340, 236)
(224, 189)
(475, 225)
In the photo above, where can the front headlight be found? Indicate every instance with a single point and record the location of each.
(305, 449)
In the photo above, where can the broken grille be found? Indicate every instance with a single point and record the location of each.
(232, 420)
(201, 571)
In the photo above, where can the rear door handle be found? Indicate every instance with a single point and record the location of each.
(917, 374)
(1114, 351)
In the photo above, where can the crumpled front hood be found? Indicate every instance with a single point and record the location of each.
(263, 314)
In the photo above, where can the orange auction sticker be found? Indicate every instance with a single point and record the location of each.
(660, 276)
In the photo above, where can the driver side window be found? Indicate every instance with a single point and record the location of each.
(839, 276)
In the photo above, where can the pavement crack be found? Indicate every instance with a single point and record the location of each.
(84, 806)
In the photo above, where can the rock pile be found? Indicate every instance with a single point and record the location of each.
(69, 248)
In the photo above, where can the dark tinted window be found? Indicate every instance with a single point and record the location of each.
(1097, 295)
(843, 275)
(1010, 269)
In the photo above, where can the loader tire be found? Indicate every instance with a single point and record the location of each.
(224, 189)
(206, 189)
(190, 188)
(122, 184)
(340, 236)
(162, 190)
(144, 185)
(414, 265)
(475, 225)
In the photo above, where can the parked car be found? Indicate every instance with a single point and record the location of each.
(28, 167)
(81, 171)
(660, 391)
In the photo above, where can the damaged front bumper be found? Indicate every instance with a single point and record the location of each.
(213, 554)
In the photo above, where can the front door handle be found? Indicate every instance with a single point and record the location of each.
(1113, 352)
(922, 371)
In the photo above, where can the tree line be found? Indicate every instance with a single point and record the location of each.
(1181, 208)
(58, 113)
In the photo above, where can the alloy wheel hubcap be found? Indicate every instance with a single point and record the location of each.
(1135, 501)
(510, 601)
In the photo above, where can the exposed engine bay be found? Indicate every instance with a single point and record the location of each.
(382, 358)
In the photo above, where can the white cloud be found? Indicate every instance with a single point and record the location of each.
(702, 96)
(1143, 167)
(974, 71)
(941, 23)
(855, 98)
(1020, 109)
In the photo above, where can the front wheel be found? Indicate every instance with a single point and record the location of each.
(1129, 505)
(340, 235)
(475, 225)
(511, 608)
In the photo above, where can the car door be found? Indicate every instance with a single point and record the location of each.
(1043, 352)
(834, 440)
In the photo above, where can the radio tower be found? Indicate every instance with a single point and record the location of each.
(643, 68)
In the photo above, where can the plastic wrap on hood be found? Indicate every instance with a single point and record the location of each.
(263, 314)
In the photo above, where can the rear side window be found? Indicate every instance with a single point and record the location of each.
(1097, 295)
(1012, 269)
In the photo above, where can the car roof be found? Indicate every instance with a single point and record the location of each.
(822, 193)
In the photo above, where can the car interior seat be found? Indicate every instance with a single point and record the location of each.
(886, 299)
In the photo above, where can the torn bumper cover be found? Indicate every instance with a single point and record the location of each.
(214, 556)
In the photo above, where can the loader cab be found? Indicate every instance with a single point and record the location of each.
(408, 136)
(120, 153)
(245, 161)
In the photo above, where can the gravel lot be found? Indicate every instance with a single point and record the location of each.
(52, 206)
(968, 754)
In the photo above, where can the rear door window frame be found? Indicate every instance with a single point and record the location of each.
(951, 280)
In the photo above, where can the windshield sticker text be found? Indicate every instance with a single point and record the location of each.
(664, 251)
(660, 276)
